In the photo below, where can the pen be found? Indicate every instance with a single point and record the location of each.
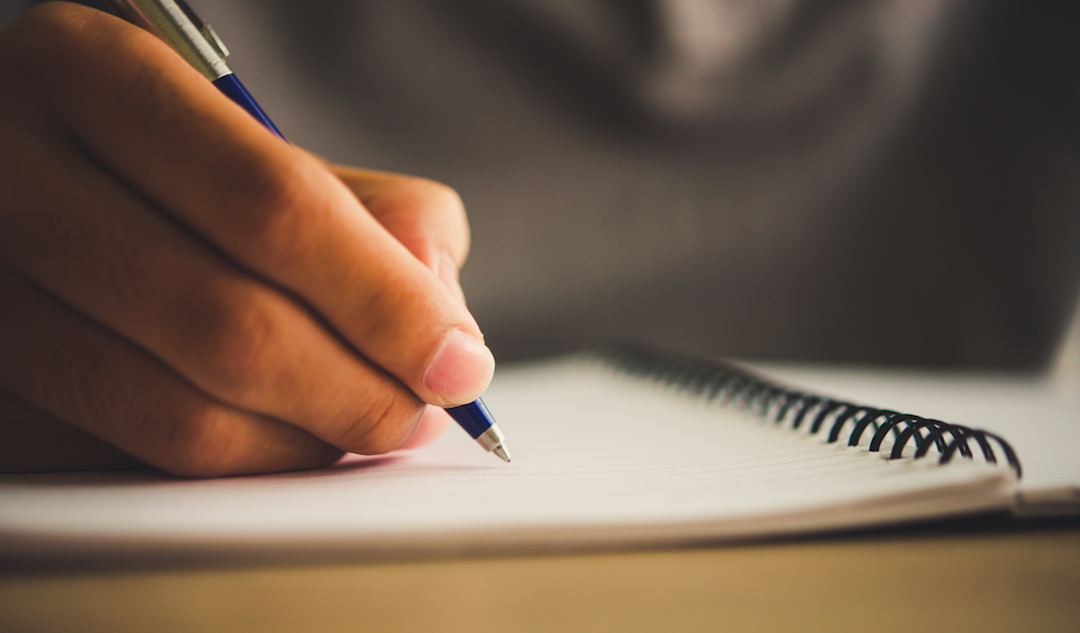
(177, 25)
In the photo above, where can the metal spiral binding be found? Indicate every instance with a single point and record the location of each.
(742, 389)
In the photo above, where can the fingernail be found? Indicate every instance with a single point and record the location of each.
(460, 370)
(448, 272)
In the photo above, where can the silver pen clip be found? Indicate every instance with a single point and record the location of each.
(181, 28)
(205, 29)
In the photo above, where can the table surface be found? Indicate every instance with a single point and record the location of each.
(972, 576)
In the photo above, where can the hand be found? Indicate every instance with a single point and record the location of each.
(180, 288)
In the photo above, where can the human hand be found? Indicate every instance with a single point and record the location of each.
(182, 289)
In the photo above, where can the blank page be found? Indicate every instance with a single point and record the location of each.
(598, 458)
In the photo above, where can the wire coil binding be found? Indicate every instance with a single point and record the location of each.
(734, 386)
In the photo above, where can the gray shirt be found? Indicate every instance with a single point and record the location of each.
(875, 181)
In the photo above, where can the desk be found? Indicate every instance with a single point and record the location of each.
(967, 578)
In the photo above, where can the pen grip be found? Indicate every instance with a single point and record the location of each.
(474, 417)
(231, 87)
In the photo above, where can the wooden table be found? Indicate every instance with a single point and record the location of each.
(952, 577)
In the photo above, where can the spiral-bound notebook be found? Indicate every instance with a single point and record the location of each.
(623, 447)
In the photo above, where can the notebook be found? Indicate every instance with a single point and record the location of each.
(623, 447)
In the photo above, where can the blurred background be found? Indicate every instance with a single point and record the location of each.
(895, 181)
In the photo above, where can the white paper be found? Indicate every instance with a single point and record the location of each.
(598, 459)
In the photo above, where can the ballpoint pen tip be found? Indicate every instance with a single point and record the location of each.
(501, 452)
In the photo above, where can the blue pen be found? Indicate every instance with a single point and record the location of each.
(177, 25)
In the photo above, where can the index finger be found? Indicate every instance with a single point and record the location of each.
(271, 207)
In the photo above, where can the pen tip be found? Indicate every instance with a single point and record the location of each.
(501, 452)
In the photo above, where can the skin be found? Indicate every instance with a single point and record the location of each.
(183, 290)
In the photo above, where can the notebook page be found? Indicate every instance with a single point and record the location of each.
(597, 458)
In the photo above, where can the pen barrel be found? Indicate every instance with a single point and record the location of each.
(231, 87)
(473, 417)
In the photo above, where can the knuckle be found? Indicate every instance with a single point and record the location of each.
(200, 438)
(441, 195)
(384, 424)
(416, 196)
(237, 336)
(173, 436)
(197, 442)
(449, 203)
(278, 210)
